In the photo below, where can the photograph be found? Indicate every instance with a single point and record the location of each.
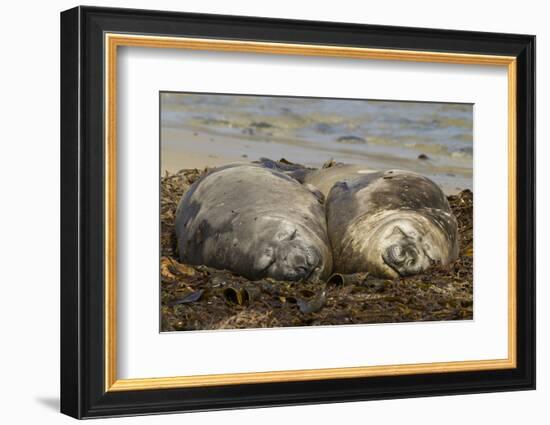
(279, 211)
(261, 211)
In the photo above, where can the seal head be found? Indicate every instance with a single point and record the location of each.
(290, 256)
(390, 224)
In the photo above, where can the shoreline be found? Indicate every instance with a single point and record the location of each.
(187, 149)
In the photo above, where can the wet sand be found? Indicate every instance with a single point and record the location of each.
(188, 149)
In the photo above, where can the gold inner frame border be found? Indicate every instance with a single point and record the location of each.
(113, 40)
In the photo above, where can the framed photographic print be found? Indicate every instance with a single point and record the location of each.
(261, 212)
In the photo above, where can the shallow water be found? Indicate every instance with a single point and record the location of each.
(378, 134)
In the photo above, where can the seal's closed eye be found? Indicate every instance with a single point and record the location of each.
(399, 232)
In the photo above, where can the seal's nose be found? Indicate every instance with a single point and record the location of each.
(303, 260)
(403, 259)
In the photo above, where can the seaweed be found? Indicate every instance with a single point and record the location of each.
(202, 298)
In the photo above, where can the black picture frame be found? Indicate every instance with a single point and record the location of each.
(83, 392)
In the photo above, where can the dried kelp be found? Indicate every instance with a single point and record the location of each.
(199, 297)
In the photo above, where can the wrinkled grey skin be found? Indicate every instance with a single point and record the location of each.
(319, 180)
(390, 223)
(255, 222)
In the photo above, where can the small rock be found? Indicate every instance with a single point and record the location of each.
(323, 128)
(423, 156)
(355, 140)
(261, 124)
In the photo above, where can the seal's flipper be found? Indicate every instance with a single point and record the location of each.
(318, 194)
(296, 171)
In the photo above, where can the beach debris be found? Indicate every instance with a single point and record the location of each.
(329, 163)
(377, 285)
(178, 268)
(313, 304)
(336, 279)
(170, 270)
(166, 276)
(240, 295)
(189, 298)
(233, 295)
(347, 279)
(352, 140)
(242, 318)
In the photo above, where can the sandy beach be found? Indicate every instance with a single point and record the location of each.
(203, 150)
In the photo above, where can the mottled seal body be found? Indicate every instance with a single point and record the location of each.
(255, 222)
(323, 178)
(390, 223)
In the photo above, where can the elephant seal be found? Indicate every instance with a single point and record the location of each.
(255, 222)
(390, 223)
(323, 178)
